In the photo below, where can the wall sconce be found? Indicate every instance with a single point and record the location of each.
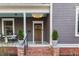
(37, 15)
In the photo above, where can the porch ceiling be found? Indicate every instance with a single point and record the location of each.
(17, 15)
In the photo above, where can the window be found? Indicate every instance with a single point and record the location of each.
(7, 26)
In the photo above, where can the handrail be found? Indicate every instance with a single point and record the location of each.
(26, 41)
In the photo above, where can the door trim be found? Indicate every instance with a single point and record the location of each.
(8, 19)
(37, 22)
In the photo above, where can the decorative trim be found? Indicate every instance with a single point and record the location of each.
(66, 46)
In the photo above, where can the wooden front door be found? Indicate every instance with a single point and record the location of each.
(38, 33)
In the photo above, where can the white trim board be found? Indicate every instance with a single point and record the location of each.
(8, 19)
(66, 46)
(24, 4)
(51, 22)
(76, 22)
(39, 45)
(18, 10)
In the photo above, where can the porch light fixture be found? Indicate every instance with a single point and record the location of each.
(37, 15)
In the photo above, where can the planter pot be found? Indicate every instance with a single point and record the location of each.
(20, 41)
(54, 42)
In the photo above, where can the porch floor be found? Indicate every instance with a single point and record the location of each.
(17, 44)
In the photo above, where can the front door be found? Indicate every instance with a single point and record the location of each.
(38, 32)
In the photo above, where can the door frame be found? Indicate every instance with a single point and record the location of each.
(8, 19)
(37, 22)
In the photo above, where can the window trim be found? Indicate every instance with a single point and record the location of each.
(7, 19)
(76, 23)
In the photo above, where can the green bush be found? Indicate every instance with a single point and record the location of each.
(20, 35)
(55, 35)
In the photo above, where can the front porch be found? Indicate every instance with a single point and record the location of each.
(36, 30)
(35, 20)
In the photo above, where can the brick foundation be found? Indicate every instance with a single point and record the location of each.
(20, 51)
(31, 51)
(55, 51)
(39, 51)
(69, 51)
(8, 51)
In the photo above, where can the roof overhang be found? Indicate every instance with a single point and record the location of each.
(29, 8)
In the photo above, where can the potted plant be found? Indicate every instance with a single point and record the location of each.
(20, 36)
(55, 37)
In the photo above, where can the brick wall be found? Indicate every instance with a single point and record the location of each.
(39, 51)
(69, 52)
(8, 51)
(31, 51)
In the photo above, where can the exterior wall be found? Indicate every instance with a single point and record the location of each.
(46, 29)
(64, 22)
(18, 24)
(29, 27)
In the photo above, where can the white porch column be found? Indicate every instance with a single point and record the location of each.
(24, 22)
(51, 9)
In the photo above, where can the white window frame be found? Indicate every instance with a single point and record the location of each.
(8, 19)
(38, 22)
(76, 23)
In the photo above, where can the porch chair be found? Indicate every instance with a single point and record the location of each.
(1, 38)
(13, 38)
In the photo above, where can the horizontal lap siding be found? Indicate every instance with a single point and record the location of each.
(64, 22)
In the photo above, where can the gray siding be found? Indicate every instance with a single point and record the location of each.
(18, 24)
(64, 22)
